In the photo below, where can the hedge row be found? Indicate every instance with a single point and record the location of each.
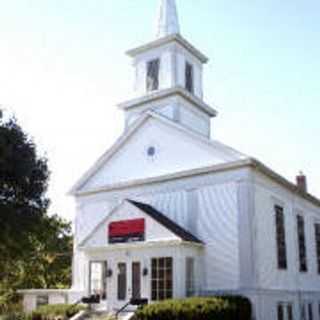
(47, 312)
(217, 308)
(51, 312)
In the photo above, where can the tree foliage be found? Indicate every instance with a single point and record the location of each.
(35, 248)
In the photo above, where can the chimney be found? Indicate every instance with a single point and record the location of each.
(302, 182)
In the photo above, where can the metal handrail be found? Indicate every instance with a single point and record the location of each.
(122, 309)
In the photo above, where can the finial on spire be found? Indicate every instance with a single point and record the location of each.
(167, 22)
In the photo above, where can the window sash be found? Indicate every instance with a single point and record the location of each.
(189, 77)
(281, 238)
(97, 278)
(302, 244)
(161, 278)
(190, 277)
(310, 311)
(317, 237)
(153, 68)
(280, 312)
(290, 312)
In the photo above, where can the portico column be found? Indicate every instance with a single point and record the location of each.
(179, 273)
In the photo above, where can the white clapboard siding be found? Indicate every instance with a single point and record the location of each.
(89, 215)
(267, 195)
(171, 204)
(218, 228)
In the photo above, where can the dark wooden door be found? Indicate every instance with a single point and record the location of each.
(136, 280)
(122, 281)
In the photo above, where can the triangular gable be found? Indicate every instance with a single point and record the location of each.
(157, 227)
(173, 149)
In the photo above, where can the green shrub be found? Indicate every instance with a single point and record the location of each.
(56, 311)
(10, 302)
(217, 308)
(15, 316)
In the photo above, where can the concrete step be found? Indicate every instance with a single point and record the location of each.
(125, 315)
(98, 315)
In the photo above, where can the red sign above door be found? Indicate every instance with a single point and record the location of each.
(127, 231)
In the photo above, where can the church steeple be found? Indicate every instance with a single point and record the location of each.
(167, 20)
(168, 73)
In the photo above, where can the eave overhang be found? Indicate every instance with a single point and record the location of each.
(166, 40)
(142, 245)
(166, 93)
(248, 162)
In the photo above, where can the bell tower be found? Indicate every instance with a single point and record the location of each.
(168, 76)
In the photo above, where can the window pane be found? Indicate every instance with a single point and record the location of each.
(280, 312)
(190, 277)
(310, 311)
(317, 235)
(290, 312)
(161, 295)
(168, 263)
(303, 312)
(168, 274)
(280, 238)
(302, 244)
(161, 263)
(169, 294)
(154, 295)
(161, 285)
(98, 275)
(153, 75)
(189, 77)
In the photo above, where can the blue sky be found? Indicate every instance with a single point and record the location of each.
(63, 70)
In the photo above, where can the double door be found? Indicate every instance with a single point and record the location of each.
(128, 280)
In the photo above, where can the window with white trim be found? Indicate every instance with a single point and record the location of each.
(281, 238)
(285, 311)
(303, 312)
(280, 312)
(153, 68)
(190, 277)
(161, 278)
(302, 244)
(307, 311)
(310, 311)
(97, 281)
(317, 236)
(189, 77)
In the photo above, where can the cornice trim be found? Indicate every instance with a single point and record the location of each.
(166, 40)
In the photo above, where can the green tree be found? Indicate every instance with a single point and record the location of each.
(35, 248)
(23, 184)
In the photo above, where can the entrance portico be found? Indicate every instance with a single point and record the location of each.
(158, 265)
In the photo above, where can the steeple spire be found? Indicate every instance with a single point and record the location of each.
(167, 21)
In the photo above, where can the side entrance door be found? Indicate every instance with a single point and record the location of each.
(128, 282)
(136, 280)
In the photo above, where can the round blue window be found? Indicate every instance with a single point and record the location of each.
(151, 151)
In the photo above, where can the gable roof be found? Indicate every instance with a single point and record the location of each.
(166, 222)
(154, 214)
(134, 128)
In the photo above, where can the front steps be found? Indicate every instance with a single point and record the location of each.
(104, 315)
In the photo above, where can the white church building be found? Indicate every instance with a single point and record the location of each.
(169, 212)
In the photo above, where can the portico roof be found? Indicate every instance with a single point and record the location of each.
(167, 232)
(166, 222)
